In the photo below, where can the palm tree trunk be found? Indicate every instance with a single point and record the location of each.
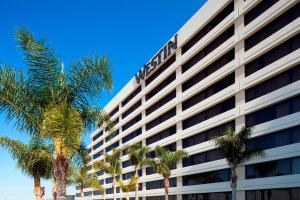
(127, 196)
(61, 166)
(81, 193)
(233, 182)
(38, 190)
(137, 185)
(115, 187)
(167, 185)
(54, 189)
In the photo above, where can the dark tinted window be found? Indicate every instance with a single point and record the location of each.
(162, 118)
(161, 102)
(132, 95)
(210, 69)
(99, 144)
(97, 135)
(97, 155)
(275, 111)
(208, 49)
(209, 113)
(132, 122)
(208, 196)
(126, 163)
(112, 146)
(170, 197)
(131, 109)
(285, 78)
(114, 111)
(162, 85)
(160, 184)
(161, 69)
(272, 55)
(161, 135)
(274, 194)
(131, 174)
(132, 135)
(208, 27)
(202, 158)
(211, 90)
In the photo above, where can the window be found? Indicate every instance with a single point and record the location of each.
(97, 155)
(132, 122)
(272, 55)
(160, 184)
(161, 69)
(208, 49)
(208, 27)
(206, 135)
(126, 163)
(202, 158)
(112, 146)
(97, 135)
(210, 69)
(274, 194)
(132, 135)
(211, 90)
(112, 135)
(114, 111)
(161, 102)
(99, 173)
(161, 135)
(258, 10)
(273, 168)
(131, 109)
(285, 78)
(170, 147)
(274, 26)
(170, 197)
(131, 174)
(162, 118)
(207, 177)
(87, 194)
(131, 96)
(208, 196)
(275, 111)
(209, 113)
(99, 144)
(111, 190)
(160, 86)
(110, 179)
(276, 139)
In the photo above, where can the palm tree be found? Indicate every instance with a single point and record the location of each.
(34, 159)
(53, 103)
(137, 156)
(233, 146)
(111, 165)
(164, 162)
(129, 187)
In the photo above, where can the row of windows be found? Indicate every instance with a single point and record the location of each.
(160, 86)
(281, 109)
(132, 135)
(131, 96)
(132, 122)
(161, 102)
(274, 194)
(170, 197)
(111, 190)
(206, 135)
(100, 173)
(208, 49)
(258, 10)
(131, 174)
(161, 135)
(208, 196)
(126, 163)
(202, 158)
(110, 179)
(162, 118)
(99, 144)
(213, 67)
(211, 90)
(161, 69)
(132, 108)
(97, 135)
(207, 177)
(285, 78)
(112, 146)
(170, 147)
(209, 113)
(273, 55)
(273, 168)
(275, 139)
(97, 155)
(114, 111)
(112, 135)
(274, 26)
(208, 27)
(160, 184)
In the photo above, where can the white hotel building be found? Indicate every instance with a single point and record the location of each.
(237, 63)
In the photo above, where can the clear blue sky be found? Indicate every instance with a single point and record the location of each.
(129, 32)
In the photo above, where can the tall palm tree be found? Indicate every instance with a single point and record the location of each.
(164, 162)
(111, 165)
(129, 187)
(137, 156)
(52, 102)
(233, 146)
(34, 159)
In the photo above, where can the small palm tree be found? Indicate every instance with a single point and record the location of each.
(111, 165)
(137, 156)
(34, 159)
(129, 187)
(164, 162)
(233, 146)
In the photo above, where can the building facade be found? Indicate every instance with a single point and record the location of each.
(234, 63)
